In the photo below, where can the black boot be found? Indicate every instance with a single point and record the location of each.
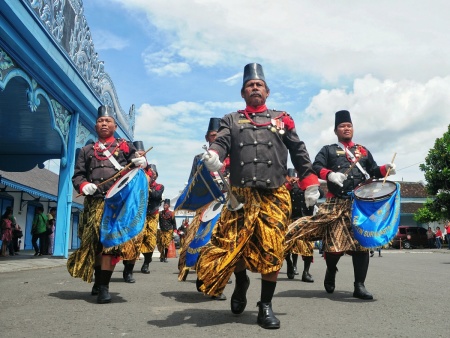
(290, 267)
(147, 260)
(266, 318)
(360, 267)
(165, 255)
(306, 276)
(294, 263)
(95, 287)
(128, 272)
(330, 275)
(103, 295)
(103, 286)
(239, 296)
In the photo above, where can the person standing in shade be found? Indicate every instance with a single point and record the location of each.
(167, 225)
(51, 223)
(156, 191)
(333, 219)
(39, 232)
(96, 163)
(257, 140)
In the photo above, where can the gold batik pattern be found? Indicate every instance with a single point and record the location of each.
(163, 239)
(149, 233)
(190, 235)
(331, 224)
(130, 250)
(255, 233)
(299, 247)
(80, 263)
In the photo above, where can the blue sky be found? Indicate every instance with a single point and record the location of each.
(180, 63)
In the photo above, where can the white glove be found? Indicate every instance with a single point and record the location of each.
(89, 189)
(212, 161)
(140, 161)
(312, 194)
(337, 178)
(392, 166)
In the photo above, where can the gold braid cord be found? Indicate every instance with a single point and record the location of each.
(255, 233)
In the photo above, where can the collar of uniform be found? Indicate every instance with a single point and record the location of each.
(258, 109)
(108, 140)
(348, 144)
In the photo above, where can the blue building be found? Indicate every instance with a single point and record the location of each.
(51, 84)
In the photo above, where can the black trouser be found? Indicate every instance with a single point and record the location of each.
(41, 237)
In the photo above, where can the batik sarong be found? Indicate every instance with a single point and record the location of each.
(80, 263)
(191, 232)
(331, 224)
(149, 233)
(255, 233)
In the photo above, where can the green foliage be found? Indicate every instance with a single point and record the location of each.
(437, 175)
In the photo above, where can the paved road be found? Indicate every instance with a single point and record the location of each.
(411, 288)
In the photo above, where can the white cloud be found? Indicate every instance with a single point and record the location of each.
(401, 39)
(404, 117)
(106, 40)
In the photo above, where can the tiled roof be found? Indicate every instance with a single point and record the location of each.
(41, 180)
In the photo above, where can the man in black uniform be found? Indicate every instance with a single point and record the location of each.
(333, 219)
(214, 123)
(299, 247)
(95, 164)
(257, 140)
(156, 191)
(167, 225)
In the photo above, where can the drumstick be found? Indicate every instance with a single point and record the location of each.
(352, 166)
(389, 169)
(119, 172)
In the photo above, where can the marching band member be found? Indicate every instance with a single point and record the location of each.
(167, 225)
(257, 140)
(95, 164)
(333, 219)
(131, 250)
(151, 222)
(211, 133)
(299, 247)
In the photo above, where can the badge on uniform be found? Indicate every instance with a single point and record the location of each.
(277, 125)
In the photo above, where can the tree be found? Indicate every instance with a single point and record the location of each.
(437, 175)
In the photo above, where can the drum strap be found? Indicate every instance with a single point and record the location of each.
(111, 158)
(353, 158)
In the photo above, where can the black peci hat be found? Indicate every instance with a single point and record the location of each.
(253, 71)
(291, 172)
(105, 111)
(341, 117)
(167, 201)
(139, 145)
(214, 124)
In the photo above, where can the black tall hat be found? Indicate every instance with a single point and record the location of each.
(105, 111)
(341, 117)
(291, 172)
(153, 167)
(167, 201)
(139, 145)
(214, 124)
(253, 71)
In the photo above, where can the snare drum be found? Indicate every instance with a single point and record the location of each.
(375, 212)
(209, 218)
(125, 209)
